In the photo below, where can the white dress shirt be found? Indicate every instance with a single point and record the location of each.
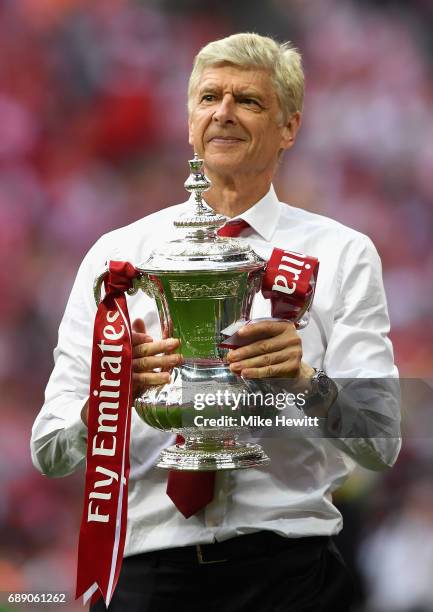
(346, 336)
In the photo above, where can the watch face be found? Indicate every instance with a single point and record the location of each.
(323, 383)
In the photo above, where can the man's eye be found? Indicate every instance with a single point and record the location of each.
(250, 102)
(207, 98)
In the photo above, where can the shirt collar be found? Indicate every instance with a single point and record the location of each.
(263, 216)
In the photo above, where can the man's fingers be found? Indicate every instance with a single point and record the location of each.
(139, 326)
(265, 329)
(292, 358)
(147, 379)
(148, 355)
(140, 338)
(274, 371)
(263, 347)
(154, 348)
(165, 332)
(274, 351)
(144, 364)
(139, 335)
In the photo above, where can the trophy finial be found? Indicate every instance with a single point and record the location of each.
(203, 218)
(197, 182)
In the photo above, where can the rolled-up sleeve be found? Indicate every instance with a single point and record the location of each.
(59, 436)
(365, 420)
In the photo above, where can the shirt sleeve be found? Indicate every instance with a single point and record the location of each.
(365, 420)
(59, 436)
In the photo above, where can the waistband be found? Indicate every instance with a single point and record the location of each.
(240, 547)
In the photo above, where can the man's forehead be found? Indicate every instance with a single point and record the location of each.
(228, 75)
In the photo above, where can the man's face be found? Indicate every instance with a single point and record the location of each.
(235, 124)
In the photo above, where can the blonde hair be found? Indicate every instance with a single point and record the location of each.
(248, 50)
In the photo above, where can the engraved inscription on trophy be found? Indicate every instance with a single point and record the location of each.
(198, 290)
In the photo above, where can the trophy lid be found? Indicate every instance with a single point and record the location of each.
(198, 246)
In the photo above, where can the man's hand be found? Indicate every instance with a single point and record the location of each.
(275, 351)
(147, 355)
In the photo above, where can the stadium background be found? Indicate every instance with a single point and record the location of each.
(93, 136)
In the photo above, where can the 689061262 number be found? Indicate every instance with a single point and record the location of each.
(42, 598)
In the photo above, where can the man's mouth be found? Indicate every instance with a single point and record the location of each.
(226, 140)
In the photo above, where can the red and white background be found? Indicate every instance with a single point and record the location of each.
(93, 127)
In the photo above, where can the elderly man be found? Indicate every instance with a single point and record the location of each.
(264, 539)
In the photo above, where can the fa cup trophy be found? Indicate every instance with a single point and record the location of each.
(201, 283)
(204, 284)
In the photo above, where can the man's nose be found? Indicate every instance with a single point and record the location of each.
(226, 110)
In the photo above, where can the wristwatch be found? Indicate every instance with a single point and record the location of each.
(321, 384)
(323, 390)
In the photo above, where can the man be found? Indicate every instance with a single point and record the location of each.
(264, 539)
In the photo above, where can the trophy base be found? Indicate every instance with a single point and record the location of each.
(208, 458)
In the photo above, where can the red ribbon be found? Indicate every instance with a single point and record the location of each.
(103, 524)
(288, 282)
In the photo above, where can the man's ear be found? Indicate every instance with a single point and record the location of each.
(290, 130)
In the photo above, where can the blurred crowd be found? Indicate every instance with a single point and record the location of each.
(93, 135)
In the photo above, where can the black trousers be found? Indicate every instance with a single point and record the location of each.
(261, 571)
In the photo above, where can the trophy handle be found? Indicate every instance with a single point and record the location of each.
(140, 282)
(98, 284)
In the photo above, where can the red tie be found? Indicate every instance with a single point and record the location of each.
(233, 228)
(191, 491)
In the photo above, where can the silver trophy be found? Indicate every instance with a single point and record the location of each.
(202, 284)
